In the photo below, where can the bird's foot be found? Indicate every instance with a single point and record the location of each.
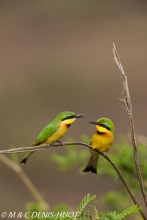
(48, 145)
(57, 143)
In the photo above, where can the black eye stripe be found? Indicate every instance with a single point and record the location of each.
(68, 117)
(104, 126)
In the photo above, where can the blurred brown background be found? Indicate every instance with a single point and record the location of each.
(56, 56)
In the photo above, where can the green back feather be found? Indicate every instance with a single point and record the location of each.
(51, 128)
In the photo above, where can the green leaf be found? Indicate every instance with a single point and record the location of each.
(132, 210)
(88, 196)
(93, 197)
(110, 216)
(86, 204)
(96, 213)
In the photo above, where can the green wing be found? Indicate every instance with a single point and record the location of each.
(47, 132)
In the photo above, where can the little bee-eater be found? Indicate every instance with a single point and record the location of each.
(101, 140)
(54, 131)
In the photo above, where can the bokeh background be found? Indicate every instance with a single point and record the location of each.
(57, 56)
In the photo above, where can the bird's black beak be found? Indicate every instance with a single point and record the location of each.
(79, 116)
(93, 122)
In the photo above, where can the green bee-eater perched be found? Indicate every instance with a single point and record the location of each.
(101, 140)
(54, 131)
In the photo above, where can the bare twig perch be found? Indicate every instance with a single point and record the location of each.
(17, 168)
(35, 148)
(24, 149)
(127, 101)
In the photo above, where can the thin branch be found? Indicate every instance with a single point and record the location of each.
(128, 104)
(17, 168)
(24, 149)
(125, 184)
(36, 148)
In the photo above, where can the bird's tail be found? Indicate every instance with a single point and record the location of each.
(92, 165)
(26, 158)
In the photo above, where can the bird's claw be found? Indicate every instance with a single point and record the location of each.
(58, 142)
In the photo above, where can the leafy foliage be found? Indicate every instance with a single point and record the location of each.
(75, 157)
(110, 216)
(122, 149)
(132, 210)
(112, 196)
(72, 158)
(84, 207)
(87, 203)
(121, 154)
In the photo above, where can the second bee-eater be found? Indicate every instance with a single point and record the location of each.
(101, 140)
(54, 131)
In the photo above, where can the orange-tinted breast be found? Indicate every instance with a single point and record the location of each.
(102, 142)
